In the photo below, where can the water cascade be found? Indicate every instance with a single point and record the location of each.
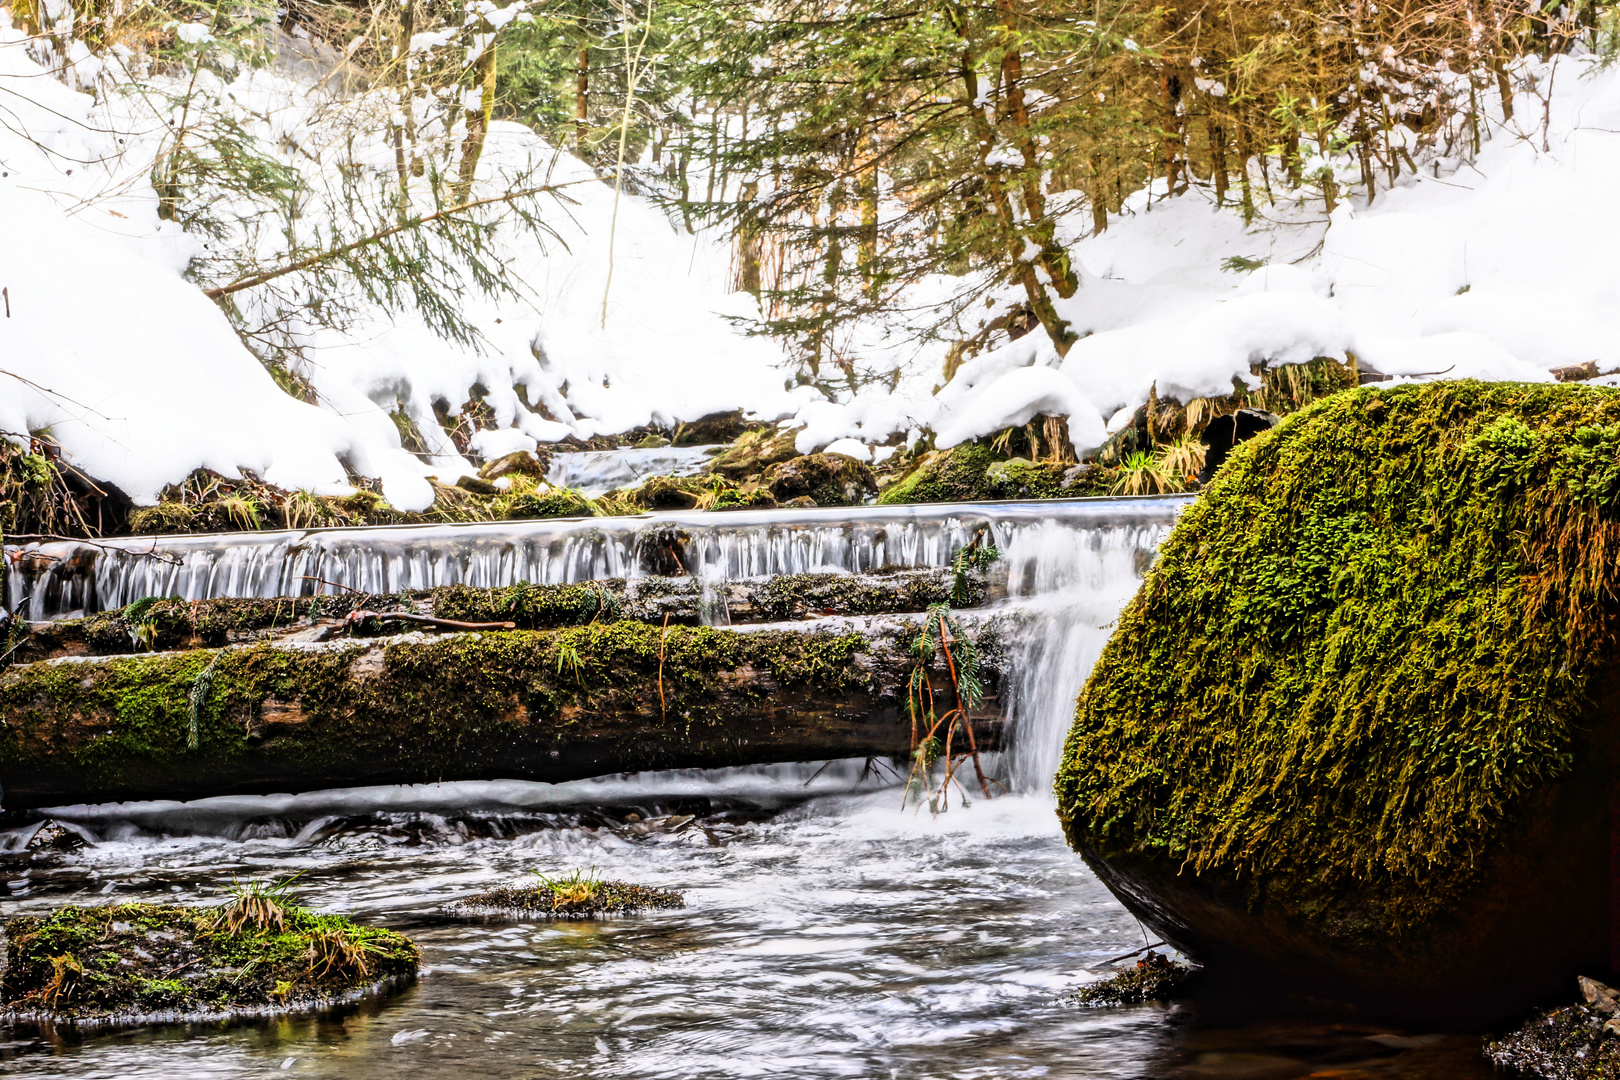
(1070, 566)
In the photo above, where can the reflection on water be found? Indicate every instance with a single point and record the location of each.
(836, 938)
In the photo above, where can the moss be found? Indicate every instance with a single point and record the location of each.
(532, 606)
(955, 475)
(829, 479)
(1021, 478)
(794, 596)
(753, 453)
(124, 961)
(596, 899)
(1361, 651)
(1154, 978)
(172, 623)
(414, 708)
(525, 500)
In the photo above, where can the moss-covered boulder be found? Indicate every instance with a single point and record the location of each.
(753, 453)
(954, 475)
(139, 962)
(1357, 727)
(829, 479)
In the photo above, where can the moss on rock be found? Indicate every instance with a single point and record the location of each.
(1360, 653)
(574, 897)
(138, 961)
(954, 475)
(829, 479)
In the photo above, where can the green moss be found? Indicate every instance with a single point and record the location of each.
(954, 475)
(121, 961)
(828, 479)
(532, 606)
(591, 900)
(1360, 651)
(139, 724)
(1021, 478)
(524, 501)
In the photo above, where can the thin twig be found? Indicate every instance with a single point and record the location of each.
(663, 711)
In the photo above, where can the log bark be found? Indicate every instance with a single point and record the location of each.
(533, 705)
(180, 624)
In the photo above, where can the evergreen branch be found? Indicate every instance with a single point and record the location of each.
(222, 291)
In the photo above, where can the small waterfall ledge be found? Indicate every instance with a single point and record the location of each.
(1070, 567)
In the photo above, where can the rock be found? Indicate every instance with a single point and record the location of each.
(666, 493)
(477, 486)
(573, 896)
(53, 836)
(800, 502)
(1021, 478)
(517, 463)
(1153, 978)
(720, 427)
(1321, 647)
(954, 475)
(829, 479)
(1087, 478)
(258, 955)
(752, 454)
(1601, 998)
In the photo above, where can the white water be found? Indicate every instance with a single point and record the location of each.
(597, 472)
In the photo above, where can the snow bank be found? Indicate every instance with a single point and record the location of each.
(141, 379)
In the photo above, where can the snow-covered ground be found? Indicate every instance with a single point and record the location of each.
(1501, 268)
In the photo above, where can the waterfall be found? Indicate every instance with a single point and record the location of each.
(1071, 565)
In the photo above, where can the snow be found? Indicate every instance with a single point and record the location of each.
(1017, 398)
(1500, 269)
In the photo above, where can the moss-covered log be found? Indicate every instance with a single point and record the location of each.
(1357, 728)
(154, 625)
(540, 705)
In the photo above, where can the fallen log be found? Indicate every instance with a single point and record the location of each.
(161, 624)
(534, 705)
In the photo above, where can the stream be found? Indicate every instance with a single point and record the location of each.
(827, 932)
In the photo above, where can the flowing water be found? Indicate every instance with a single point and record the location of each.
(827, 932)
(597, 472)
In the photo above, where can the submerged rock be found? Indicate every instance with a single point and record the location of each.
(1580, 1042)
(1356, 730)
(575, 896)
(53, 836)
(143, 962)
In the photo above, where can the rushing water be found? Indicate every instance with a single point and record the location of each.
(596, 472)
(827, 933)
(839, 937)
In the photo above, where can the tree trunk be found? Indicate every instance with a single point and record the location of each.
(478, 120)
(582, 99)
(547, 706)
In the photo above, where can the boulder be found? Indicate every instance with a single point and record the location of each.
(1356, 733)
(829, 479)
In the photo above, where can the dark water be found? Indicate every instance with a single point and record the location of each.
(839, 937)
